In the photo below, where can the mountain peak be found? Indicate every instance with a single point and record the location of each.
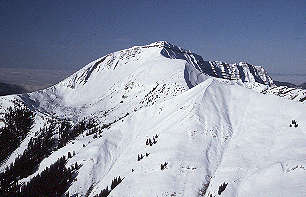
(139, 55)
(166, 44)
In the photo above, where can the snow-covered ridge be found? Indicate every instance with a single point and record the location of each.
(130, 75)
(241, 71)
(111, 61)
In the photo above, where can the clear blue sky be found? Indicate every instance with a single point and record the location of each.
(69, 34)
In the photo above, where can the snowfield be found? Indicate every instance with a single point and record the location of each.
(212, 129)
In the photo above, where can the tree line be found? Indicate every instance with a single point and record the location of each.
(38, 149)
(47, 183)
(18, 121)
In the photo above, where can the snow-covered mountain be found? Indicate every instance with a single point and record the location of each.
(170, 124)
(131, 75)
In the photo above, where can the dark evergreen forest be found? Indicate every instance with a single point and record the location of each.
(53, 181)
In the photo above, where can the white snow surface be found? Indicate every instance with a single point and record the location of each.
(211, 133)
(210, 130)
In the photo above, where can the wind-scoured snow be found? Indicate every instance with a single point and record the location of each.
(212, 128)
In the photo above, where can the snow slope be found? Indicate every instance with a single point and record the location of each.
(210, 130)
(213, 133)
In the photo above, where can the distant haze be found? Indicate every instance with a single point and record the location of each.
(296, 79)
(66, 35)
(32, 79)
